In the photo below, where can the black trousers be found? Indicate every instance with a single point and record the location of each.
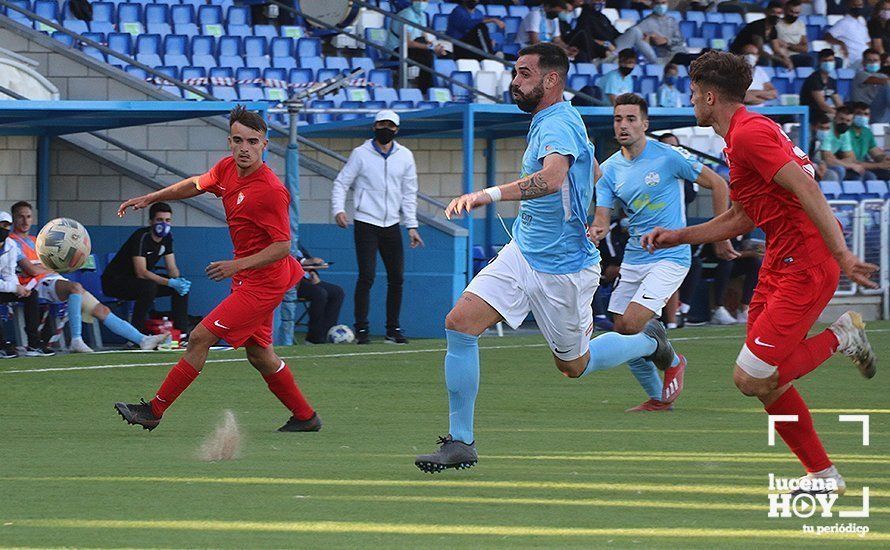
(325, 300)
(727, 269)
(145, 292)
(477, 36)
(32, 317)
(369, 239)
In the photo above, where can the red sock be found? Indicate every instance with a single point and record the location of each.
(800, 436)
(808, 355)
(283, 385)
(178, 379)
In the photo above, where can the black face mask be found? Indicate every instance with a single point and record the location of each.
(855, 12)
(384, 135)
(772, 19)
(3, 234)
(552, 14)
(790, 19)
(840, 128)
(625, 70)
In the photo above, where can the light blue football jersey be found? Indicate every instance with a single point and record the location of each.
(649, 189)
(551, 231)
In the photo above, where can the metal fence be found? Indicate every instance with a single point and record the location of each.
(866, 226)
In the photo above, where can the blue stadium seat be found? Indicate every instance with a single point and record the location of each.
(228, 46)
(321, 118)
(376, 36)
(275, 73)
(782, 85)
(511, 27)
(209, 15)
(192, 72)
(460, 93)
(148, 48)
(689, 29)
(176, 50)
(647, 85)
(697, 16)
(312, 63)
(136, 72)
(309, 47)
(63, 38)
(715, 17)
(365, 63)
(814, 32)
(247, 73)
(267, 31)
(226, 93)
(428, 105)
(250, 93)
(72, 23)
(325, 74)
(732, 17)
(497, 10)
(183, 19)
(589, 69)
(852, 190)
(255, 46)
(443, 66)
(516, 11)
(398, 105)
(388, 95)
(202, 51)
(103, 17)
(300, 76)
(16, 16)
(381, 77)
(48, 9)
(878, 188)
(238, 15)
(129, 18)
(95, 53)
(728, 30)
(168, 70)
(578, 81)
(440, 22)
(711, 30)
(411, 94)
(221, 72)
(629, 14)
(120, 42)
(330, 62)
(282, 47)
(157, 19)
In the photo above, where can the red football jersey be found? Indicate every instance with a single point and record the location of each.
(756, 148)
(257, 213)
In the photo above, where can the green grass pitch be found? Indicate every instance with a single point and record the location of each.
(561, 464)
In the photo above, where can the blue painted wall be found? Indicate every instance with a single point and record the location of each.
(434, 275)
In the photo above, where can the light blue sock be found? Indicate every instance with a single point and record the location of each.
(122, 328)
(462, 380)
(646, 374)
(611, 349)
(75, 318)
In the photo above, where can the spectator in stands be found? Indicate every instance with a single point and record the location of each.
(542, 25)
(661, 37)
(865, 147)
(668, 94)
(468, 24)
(12, 291)
(130, 275)
(821, 126)
(618, 81)
(325, 299)
(791, 37)
(595, 36)
(879, 27)
(837, 149)
(52, 287)
(761, 89)
(384, 177)
(747, 265)
(421, 47)
(762, 33)
(850, 33)
(819, 90)
(872, 87)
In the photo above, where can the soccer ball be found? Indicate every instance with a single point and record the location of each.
(341, 334)
(63, 245)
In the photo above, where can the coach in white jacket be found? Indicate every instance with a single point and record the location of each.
(383, 176)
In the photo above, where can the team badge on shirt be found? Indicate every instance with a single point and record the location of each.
(652, 179)
(240, 198)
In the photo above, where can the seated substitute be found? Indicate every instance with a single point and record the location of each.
(325, 299)
(129, 275)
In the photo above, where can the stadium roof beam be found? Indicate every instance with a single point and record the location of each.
(495, 121)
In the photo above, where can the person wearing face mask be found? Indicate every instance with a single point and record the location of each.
(422, 47)
(850, 33)
(837, 149)
(879, 27)
(383, 177)
(542, 25)
(668, 94)
(791, 36)
(619, 81)
(661, 34)
(130, 275)
(821, 126)
(52, 287)
(468, 24)
(11, 290)
(819, 90)
(872, 87)
(761, 89)
(865, 148)
(762, 33)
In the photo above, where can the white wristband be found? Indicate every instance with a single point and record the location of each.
(493, 192)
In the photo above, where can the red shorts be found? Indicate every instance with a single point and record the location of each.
(245, 316)
(784, 308)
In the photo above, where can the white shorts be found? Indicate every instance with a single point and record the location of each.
(561, 303)
(46, 288)
(650, 285)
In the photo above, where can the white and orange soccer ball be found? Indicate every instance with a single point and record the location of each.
(63, 245)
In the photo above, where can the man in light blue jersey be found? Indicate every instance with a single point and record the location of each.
(549, 268)
(646, 178)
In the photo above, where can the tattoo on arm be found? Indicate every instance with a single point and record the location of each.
(532, 187)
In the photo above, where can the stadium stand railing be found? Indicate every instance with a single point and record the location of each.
(866, 226)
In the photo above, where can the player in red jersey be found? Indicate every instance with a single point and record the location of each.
(256, 205)
(772, 187)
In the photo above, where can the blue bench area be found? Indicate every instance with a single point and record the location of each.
(855, 190)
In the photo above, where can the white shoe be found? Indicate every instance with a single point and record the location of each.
(742, 317)
(671, 326)
(853, 342)
(722, 317)
(79, 346)
(832, 482)
(152, 341)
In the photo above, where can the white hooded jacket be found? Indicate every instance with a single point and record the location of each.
(9, 257)
(383, 187)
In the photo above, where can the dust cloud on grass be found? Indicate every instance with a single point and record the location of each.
(224, 443)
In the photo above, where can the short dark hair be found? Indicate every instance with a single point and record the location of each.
(634, 99)
(826, 53)
(627, 53)
(248, 118)
(158, 207)
(774, 4)
(819, 117)
(667, 135)
(859, 106)
(550, 57)
(730, 74)
(669, 66)
(553, 4)
(792, 3)
(843, 110)
(869, 51)
(20, 204)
